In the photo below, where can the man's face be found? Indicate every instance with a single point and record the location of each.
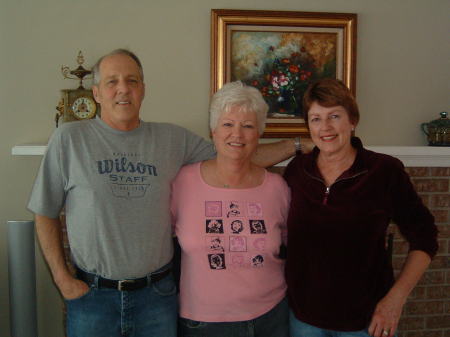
(120, 92)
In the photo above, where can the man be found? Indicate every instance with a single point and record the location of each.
(112, 175)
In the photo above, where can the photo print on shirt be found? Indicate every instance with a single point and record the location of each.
(213, 208)
(257, 227)
(258, 261)
(236, 226)
(216, 261)
(214, 226)
(215, 243)
(238, 260)
(259, 243)
(234, 209)
(254, 209)
(238, 244)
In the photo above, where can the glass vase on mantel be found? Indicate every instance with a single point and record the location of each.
(438, 131)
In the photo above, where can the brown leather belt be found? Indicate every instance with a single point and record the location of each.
(122, 285)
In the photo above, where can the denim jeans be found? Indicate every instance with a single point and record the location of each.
(147, 312)
(301, 329)
(274, 323)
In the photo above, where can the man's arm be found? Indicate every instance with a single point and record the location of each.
(273, 153)
(50, 238)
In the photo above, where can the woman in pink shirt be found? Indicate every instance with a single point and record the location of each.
(230, 219)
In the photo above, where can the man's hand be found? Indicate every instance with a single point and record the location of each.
(307, 145)
(73, 288)
(50, 237)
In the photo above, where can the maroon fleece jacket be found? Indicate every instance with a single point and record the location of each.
(337, 266)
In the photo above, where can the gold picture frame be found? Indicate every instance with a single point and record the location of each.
(280, 53)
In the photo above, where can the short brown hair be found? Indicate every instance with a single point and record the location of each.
(329, 92)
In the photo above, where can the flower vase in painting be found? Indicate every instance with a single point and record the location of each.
(282, 65)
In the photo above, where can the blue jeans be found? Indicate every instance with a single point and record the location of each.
(274, 323)
(301, 329)
(147, 312)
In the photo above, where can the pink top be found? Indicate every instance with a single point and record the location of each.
(230, 240)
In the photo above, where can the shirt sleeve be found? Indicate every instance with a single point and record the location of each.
(173, 205)
(177, 186)
(291, 176)
(197, 148)
(282, 200)
(286, 205)
(48, 195)
(413, 218)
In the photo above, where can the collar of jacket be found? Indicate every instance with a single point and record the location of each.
(358, 167)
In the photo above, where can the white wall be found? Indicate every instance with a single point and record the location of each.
(403, 72)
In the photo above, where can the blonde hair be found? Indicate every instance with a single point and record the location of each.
(237, 94)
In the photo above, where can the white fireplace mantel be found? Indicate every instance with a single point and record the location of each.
(28, 150)
(411, 156)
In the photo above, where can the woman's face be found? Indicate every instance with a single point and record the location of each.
(330, 128)
(236, 225)
(236, 134)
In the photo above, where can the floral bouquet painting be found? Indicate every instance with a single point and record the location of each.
(282, 64)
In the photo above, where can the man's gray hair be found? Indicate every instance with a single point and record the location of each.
(96, 68)
(237, 94)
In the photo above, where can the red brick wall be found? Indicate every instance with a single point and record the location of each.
(427, 312)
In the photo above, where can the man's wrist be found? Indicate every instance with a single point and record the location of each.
(298, 144)
(62, 276)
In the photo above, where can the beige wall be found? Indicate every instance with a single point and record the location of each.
(403, 74)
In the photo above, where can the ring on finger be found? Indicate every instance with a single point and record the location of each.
(385, 332)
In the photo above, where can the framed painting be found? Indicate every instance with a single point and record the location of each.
(281, 53)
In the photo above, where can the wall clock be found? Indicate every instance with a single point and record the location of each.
(76, 104)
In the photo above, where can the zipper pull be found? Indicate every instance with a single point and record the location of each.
(325, 197)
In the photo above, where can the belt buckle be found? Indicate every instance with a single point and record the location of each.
(123, 283)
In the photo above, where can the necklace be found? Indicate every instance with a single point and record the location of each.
(247, 179)
(220, 181)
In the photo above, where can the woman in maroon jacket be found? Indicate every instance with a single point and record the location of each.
(339, 276)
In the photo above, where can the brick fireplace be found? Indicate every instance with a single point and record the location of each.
(427, 312)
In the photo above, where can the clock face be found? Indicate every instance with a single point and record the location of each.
(84, 107)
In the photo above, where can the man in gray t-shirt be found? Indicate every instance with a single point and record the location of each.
(112, 176)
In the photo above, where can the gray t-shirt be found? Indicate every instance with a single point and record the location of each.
(115, 187)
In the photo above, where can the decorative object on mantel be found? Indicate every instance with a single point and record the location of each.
(76, 104)
(438, 131)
